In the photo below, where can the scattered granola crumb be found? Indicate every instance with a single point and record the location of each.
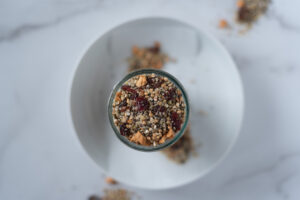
(113, 194)
(182, 149)
(250, 10)
(147, 57)
(110, 180)
(223, 23)
(248, 13)
(116, 194)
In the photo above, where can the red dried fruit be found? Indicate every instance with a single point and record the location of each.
(133, 93)
(158, 108)
(124, 130)
(162, 109)
(153, 83)
(171, 94)
(142, 104)
(176, 121)
(128, 89)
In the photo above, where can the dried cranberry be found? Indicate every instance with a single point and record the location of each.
(124, 130)
(171, 94)
(150, 81)
(176, 121)
(153, 83)
(128, 89)
(158, 108)
(162, 109)
(133, 93)
(142, 103)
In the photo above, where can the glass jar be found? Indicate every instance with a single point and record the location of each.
(169, 142)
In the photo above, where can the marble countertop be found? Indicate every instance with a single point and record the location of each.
(40, 44)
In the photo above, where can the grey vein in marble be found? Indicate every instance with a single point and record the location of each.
(282, 22)
(279, 188)
(27, 28)
(282, 159)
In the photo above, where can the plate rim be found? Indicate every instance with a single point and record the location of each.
(211, 38)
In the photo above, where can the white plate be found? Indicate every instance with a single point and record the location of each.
(203, 66)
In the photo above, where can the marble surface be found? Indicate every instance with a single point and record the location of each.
(40, 44)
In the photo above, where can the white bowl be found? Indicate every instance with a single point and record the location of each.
(203, 66)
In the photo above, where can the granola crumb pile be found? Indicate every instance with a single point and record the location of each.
(250, 10)
(182, 149)
(184, 146)
(147, 57)
(113, 194)
(149, 109)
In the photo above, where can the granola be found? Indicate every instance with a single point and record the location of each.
(250, 10)
(183, 148)
(147, 57)
(149, 109)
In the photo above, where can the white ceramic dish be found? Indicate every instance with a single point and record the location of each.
(203, 66)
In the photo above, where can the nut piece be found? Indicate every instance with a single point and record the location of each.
(163, 139)
(110, 180)
(142, 81)
(118, 96)
(171, 133)
(139, 139)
